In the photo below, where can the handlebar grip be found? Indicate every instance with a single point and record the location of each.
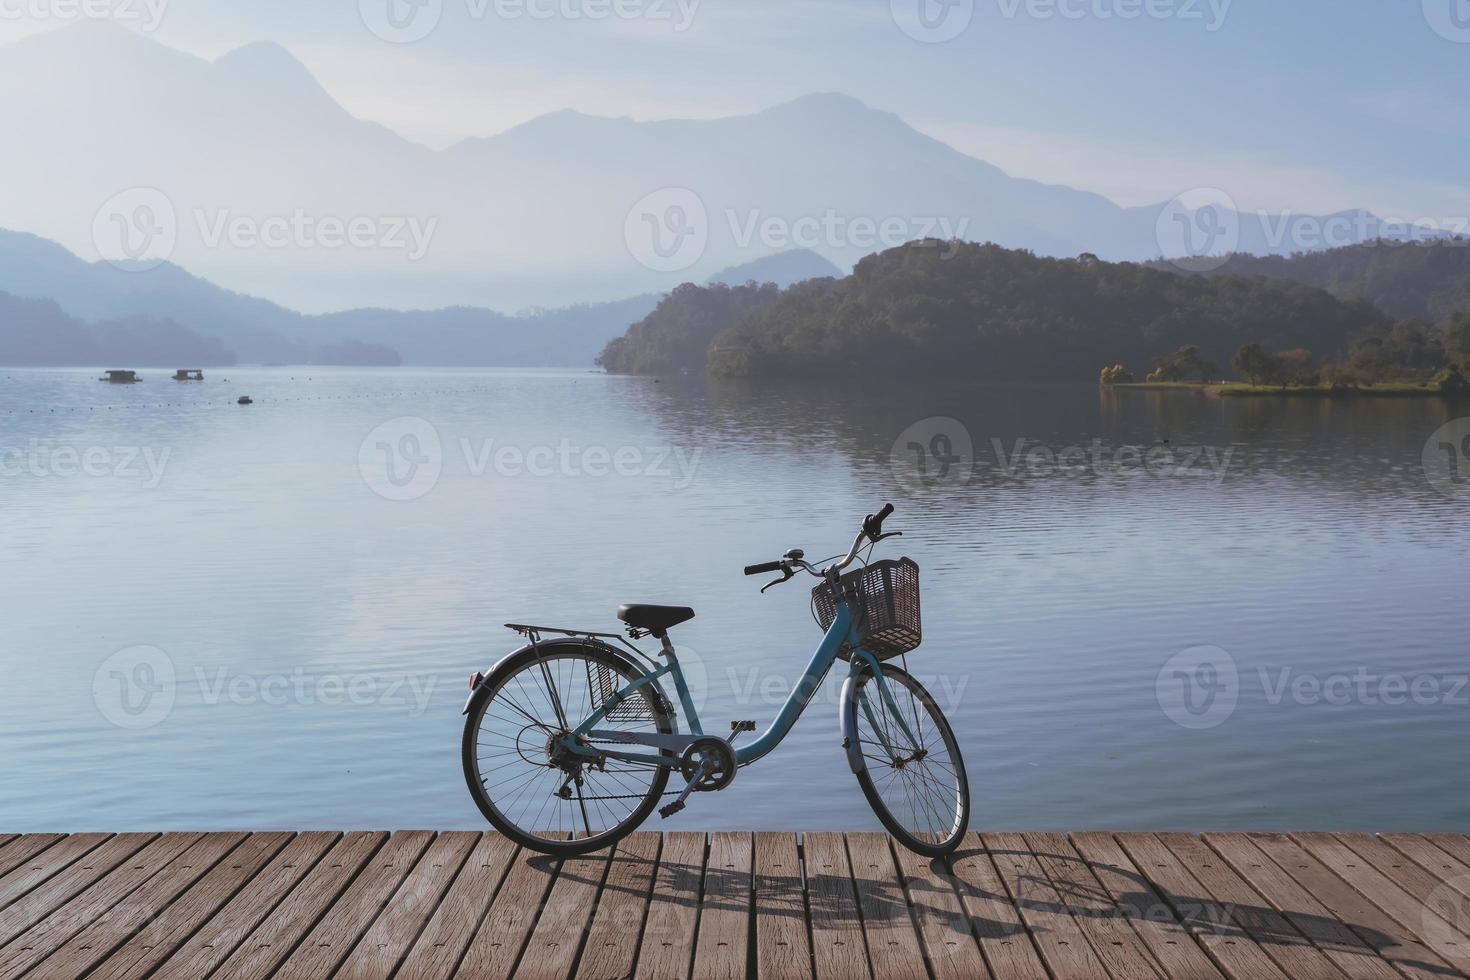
(883, 514)
(761, 569)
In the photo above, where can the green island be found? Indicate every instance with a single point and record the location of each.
(1378, 320)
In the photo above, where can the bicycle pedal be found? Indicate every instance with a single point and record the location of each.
(741, 726)
(668, 811)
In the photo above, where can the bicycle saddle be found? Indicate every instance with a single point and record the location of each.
(655, 619)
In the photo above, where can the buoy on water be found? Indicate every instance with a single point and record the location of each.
(246, 400)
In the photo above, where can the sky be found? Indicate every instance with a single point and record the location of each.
(1308, 104)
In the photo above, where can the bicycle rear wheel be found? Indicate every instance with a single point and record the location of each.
(915, 781)
(531, 791)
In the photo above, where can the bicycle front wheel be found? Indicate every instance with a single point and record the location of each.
(911, 772)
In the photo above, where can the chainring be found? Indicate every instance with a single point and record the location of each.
(720, 753)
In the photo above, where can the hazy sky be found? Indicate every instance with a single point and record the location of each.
(1312, 104)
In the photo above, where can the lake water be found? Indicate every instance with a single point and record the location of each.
(1208, 614)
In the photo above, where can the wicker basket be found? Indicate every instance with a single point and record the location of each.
(885, 606)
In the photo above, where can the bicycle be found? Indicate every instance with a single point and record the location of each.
(569, 742)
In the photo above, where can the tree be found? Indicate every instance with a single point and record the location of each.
(1457, 339)
(1255, 364)
(1183, 365)
(1115, 375)
(1293, 366)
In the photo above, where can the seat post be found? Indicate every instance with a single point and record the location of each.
(668, 646)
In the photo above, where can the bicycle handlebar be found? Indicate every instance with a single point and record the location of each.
(872, 532)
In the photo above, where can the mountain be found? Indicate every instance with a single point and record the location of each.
(1430, 280)
(562, 209)
(265, 332)
(37, 333)
(989, 314)
(784, 269)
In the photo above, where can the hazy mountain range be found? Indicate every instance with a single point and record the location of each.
(171, 315)
(552, 212)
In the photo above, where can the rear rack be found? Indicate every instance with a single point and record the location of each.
(602, 682)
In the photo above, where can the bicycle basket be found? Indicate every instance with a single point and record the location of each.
(604, 682)
(884, 597)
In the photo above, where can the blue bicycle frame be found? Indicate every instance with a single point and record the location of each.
(841, 635)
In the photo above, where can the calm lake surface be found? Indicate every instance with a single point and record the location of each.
(1206, 613)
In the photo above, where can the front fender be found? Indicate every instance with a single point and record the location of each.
(847, 719)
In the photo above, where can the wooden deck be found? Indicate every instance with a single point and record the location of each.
(422, 905)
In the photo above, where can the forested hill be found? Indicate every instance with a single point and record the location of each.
(1429, 279)
(676, 336)
(947, 308)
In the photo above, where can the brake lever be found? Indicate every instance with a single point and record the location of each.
(790, 573)
(889, 534)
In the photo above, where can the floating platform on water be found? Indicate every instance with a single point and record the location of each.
(120, 377)
(188, 374)
(417, 904)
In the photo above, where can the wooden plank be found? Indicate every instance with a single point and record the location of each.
(894, 947)
(1256, 917)
(1441, 903)
(105, 916)
(930, 888)
(1004, 941)
(333, 938)
(1349, 951)
(1456, 846)
(1152, 917)
(839, 949)
(783, 950)
(45, 862)
(1239, 956)
(497, 943)
(393, 933)
(1383, 892)
(723, 946)
(165, 933)
(1438, 862)
(556, 941)
(667, 949)
(60, 889)
(611, 949)
(1377, 928)
(19, 850)
(444, 940)
(1063, 945)
(1101, 920)
(264, 947)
